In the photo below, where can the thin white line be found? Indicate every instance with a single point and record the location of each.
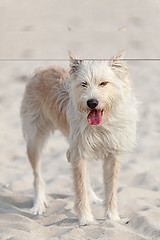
(81, 59)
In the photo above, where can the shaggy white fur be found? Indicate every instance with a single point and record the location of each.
(95, 108)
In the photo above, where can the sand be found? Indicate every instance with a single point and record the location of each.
(90, 29)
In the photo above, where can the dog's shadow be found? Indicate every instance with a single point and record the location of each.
(71, 218)
(58, 196)
(11, 205)
(64, 222)
(20, 205)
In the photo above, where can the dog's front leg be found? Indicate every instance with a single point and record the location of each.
(111, 169)
(81, 206)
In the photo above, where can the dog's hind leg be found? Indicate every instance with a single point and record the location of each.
(111, 169)
(35, 142)
(92, 195)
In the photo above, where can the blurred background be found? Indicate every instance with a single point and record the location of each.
(90, 29)
(46, 29)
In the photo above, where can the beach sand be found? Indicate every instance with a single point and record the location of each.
(90, 29)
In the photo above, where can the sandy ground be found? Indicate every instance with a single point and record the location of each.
(46, 29)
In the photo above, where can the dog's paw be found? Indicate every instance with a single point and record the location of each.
(97, 200)
(115, 217)
(123, 221)
(87, 220)
(39, 208)
(94, 199)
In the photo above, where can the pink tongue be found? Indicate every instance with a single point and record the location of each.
(94, 117)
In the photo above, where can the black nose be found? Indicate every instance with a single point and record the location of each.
(92, 103)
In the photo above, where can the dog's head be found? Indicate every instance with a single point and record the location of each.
(98, 86)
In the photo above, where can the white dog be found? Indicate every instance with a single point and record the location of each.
(94, 106)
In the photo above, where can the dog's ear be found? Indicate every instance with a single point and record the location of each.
(119, 66)
(116, 62)
(74, 62)
(71, 55)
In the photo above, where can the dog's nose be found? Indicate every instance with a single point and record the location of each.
(92, 103)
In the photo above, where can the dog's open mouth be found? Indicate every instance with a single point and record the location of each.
(95, 117)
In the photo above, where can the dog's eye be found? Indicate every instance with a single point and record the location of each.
(84, 84)
(102, 84)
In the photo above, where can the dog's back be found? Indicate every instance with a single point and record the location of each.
(44, 103)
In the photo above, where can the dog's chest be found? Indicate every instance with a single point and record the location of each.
(107, 139)
(97, 139)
